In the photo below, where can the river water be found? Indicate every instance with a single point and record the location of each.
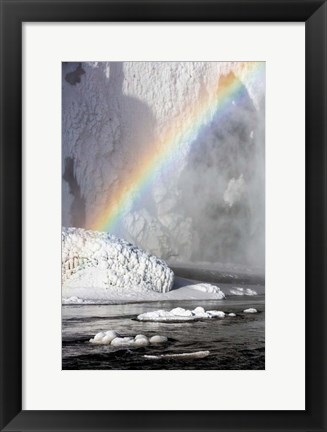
(233, 342)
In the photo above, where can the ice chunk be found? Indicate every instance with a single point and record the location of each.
(161, 316)
(180, 314)
(122, 341)
(182, 356)
(216, 313)
(158, 339)
(111, 337)
(141, 341)
(198, 310)
(250, 310)
(232, 314)
(104, 338)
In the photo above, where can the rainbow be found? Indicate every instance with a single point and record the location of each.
(162, 155)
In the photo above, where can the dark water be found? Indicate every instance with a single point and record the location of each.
(234, 342)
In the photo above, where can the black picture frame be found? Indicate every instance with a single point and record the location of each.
(13, 14)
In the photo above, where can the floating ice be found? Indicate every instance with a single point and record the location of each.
(142, 341)
(198, 310)
(161, 315)
(92, 259)
(231, 314)
(158, 339)
(182, 356)
(215, 313)
(112, 338)
(99, 336)
(123, 341)
(140, 336)
(180, 314)
(243, 291)
(104, 338)
(250, 310)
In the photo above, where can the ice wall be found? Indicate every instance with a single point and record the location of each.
(210, 207)
(93, 259)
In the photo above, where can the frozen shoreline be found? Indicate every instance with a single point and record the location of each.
(200, 291)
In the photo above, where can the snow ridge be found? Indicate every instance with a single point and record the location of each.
(100, 260)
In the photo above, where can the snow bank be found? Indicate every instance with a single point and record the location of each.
(250, 310)
(243, 291)
(210, 289)
(111, 337)
(180, 314)
(74, 300)
(92, 259)
(182, 356)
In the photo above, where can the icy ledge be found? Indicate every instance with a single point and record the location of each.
(92, 259)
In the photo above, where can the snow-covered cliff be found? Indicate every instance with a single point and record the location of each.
(210, 206)
(92, 259)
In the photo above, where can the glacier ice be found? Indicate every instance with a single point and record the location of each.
(92, 259)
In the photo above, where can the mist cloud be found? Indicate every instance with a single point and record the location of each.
(209, 205)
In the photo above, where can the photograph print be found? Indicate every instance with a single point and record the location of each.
(163, 215)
